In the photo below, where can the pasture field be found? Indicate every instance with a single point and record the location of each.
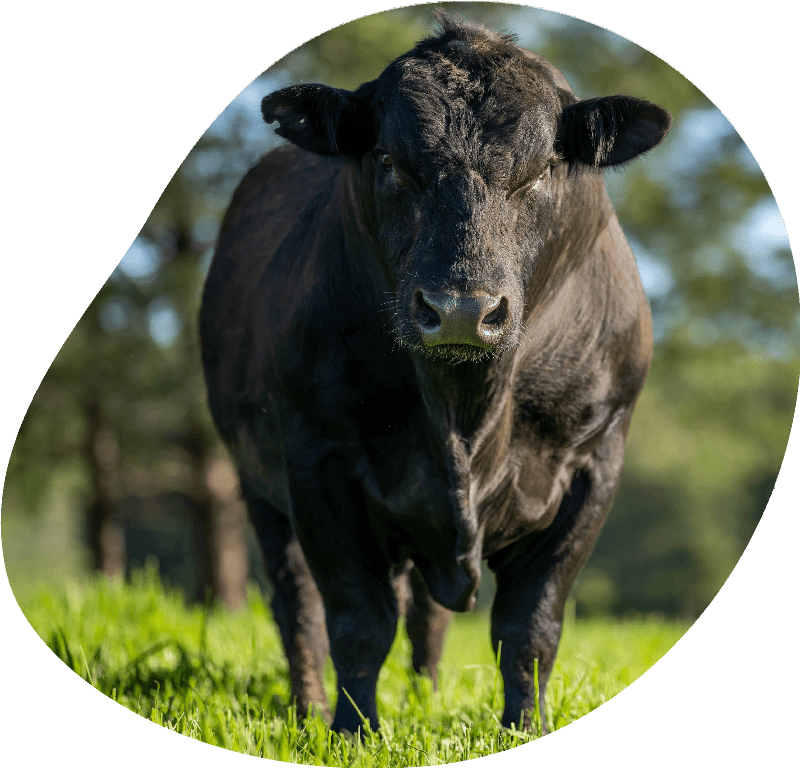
(221, 677)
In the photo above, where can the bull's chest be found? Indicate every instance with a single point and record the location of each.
(430, 489)
(424, 504)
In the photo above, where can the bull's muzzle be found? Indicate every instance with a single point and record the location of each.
(474, 318)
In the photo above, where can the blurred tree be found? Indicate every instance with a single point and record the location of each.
(173, 430)
(122, 408)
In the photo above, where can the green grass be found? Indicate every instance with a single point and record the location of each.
(222, 678)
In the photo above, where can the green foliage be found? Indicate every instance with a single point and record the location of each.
(355, 52)
(705, 447)
(222, 678)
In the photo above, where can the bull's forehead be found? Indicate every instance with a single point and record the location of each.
(497, 118)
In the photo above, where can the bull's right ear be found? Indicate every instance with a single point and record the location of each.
(321, 119)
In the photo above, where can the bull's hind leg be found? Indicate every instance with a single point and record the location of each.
(296, 606)
(534, 576)
(426, 623)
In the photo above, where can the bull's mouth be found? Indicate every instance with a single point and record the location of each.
(456, 353)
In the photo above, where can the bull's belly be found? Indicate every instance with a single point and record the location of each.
(262, 467)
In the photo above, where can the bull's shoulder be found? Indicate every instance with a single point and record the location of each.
(257, 281)
(587, 349)
(276, 213)
(276, 190)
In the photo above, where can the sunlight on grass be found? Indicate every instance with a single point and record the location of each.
(222, 678)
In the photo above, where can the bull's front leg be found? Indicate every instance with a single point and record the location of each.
(296, 604)
(362, 621)
(354, 579)
(535, 575)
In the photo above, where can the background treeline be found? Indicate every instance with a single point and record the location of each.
(117, 460)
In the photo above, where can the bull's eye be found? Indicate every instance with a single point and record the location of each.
(542, 176)
(386, 161)
(533, 186)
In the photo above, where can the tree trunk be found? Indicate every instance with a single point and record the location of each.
(106, 540)
(222, 554)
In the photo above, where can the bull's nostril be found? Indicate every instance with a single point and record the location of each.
(425, 315)
(429, 319)
(498, 315)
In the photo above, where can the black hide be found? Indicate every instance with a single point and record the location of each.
(423, 336)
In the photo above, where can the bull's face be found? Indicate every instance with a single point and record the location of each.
(460, 146)
(463, 195)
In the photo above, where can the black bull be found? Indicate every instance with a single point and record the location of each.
(423, 337)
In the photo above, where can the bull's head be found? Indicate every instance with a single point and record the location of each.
(464, 144)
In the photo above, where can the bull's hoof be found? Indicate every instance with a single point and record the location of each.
(315, 709)
(353, 732)
(524, 721)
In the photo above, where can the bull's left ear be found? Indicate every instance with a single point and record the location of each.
(610, 130)
(321, 119)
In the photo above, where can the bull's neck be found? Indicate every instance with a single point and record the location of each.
(469, 427)
(461, 400)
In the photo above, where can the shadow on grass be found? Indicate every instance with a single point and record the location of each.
(168, 672)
